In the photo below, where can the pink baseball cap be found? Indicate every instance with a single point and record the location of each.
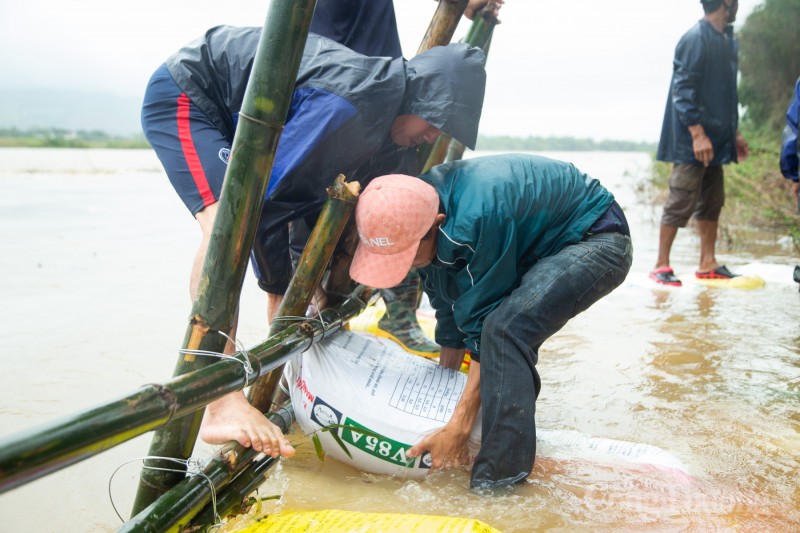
(393, 213)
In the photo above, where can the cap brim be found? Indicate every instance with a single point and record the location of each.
(381, 271)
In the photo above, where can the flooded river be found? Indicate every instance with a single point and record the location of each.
(96, 253)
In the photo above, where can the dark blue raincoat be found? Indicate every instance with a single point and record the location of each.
(339, 119)
(703, 91)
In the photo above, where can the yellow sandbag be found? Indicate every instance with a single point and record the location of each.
(346, 521)
(739, 282)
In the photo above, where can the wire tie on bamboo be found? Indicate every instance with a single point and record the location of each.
(194, 467)
(318, 318)
(245, 362)
(298, 319)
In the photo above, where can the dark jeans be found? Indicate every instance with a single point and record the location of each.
(554, 290)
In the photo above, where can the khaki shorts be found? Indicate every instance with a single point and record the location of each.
(694, 190)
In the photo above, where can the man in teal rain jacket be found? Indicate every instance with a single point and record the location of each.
(509, 249)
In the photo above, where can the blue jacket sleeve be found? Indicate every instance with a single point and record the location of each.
(315, 116)
(790, 141)
(687, 78)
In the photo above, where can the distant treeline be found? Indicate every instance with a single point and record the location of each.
(64, 138)
(559, 144)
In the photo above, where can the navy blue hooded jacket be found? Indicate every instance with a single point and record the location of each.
(367, 26)
(703, 91)
(339, 119)
(789, 140)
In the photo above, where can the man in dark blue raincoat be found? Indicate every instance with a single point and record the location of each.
(699, 135)
(350, 114)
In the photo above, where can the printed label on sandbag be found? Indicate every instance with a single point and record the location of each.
(324, 414)
(383, 448)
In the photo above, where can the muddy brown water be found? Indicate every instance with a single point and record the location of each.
(96, 252)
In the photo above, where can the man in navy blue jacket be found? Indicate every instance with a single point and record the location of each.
(370, 28)
(351, 114)
(699, 135)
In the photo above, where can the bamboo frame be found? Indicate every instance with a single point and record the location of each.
(186, 502)
(308, 274)
(264, 109)
(31, 454)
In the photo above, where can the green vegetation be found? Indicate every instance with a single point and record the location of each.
(768, 59)
(62, 138)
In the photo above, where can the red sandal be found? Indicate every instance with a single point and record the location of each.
(721, 272)
(665, 276)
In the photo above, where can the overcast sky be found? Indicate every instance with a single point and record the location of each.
(584, 68)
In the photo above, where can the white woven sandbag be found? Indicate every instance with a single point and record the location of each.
(362, 381)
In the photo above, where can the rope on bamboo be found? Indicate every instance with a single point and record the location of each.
(248, 367)
(194, 467)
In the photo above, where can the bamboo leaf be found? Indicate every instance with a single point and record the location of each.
(318, 447)
(354, 429)
(339, 441)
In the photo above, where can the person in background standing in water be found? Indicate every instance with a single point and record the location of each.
(699, 135)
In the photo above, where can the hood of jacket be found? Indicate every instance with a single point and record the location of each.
(445, 87)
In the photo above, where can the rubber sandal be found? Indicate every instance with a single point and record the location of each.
(665, 276)
(721, 272)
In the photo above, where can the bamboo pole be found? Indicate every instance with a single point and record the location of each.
(479, 34)
(308, 274)
(264, 109)
(338, 283)
(443, 24)
(194, 498)
(33, 453)
(232, 500)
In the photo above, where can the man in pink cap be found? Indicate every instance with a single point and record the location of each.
(509, 248)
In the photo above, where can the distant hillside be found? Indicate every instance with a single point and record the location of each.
(69, 110)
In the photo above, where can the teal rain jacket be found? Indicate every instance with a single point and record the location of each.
(502, 213)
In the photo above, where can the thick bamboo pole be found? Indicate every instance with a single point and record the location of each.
(231, 501)
(338, 283)
(443, 24)
(196, 498)
(33, 453)
(264, 109)
(480, 34)
(308, 274)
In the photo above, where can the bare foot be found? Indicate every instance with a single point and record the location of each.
(233, 418)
